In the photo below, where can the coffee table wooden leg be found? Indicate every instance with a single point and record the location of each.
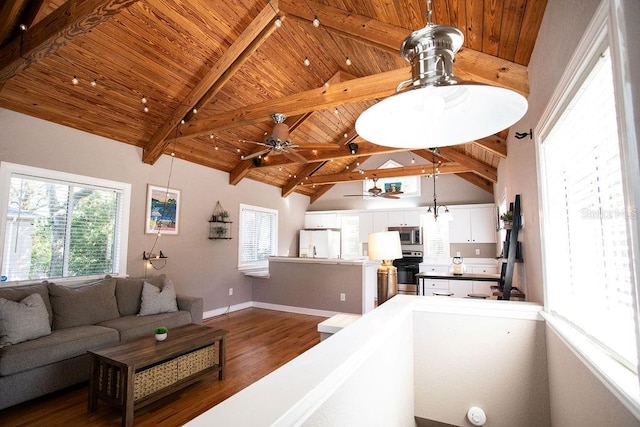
(93, 384)
(223, 359)
(127, 408)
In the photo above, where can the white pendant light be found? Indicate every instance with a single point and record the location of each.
(434, 108)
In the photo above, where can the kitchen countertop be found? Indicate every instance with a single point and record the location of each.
(309, 260)
(479, 277)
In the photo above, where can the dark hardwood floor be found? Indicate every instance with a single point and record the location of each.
(259, 341)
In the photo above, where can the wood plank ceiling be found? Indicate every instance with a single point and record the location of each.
(213, 72)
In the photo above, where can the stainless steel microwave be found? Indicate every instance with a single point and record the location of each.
(409, 235)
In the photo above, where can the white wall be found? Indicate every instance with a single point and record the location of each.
(572, 385)
(197, 266)
(404, 359)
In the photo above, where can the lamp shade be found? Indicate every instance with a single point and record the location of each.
(437, 116)
(384, 245)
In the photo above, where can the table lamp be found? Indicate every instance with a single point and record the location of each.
(385, 246)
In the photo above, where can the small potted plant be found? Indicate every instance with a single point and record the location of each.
(220, 231)
(507, 220)
(224, 216)
(161, 333)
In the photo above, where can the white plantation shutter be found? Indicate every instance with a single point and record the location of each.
(587, 249)
(258, 236)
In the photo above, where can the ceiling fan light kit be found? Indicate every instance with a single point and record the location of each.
(434, 108)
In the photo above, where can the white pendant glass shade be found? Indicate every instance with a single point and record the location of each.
(437, 116)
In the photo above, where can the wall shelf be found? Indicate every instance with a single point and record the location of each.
(219, 224)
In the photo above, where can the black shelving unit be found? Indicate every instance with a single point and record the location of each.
(511, 249)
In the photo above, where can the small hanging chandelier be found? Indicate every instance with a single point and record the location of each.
(434, 108)
(446, 215)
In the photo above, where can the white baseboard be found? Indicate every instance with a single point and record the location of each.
(292, 309)
(277, 307)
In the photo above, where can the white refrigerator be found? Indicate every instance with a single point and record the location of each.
(319, 244)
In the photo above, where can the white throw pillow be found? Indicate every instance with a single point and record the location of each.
(155, 301)
(24, 320)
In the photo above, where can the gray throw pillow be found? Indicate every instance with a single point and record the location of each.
(18, 293)
(129, 292)
(24, 320)
(155, 301)
(83, 305)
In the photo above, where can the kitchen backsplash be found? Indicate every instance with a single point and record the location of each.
(468, 250)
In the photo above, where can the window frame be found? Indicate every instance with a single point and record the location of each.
(8, 169)
(605, 30)
(264, 264)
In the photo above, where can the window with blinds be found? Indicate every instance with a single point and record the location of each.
(258, 237)
(589, 277)
(59, 226)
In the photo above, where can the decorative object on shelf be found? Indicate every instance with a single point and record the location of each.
(457, 265)
(438, 100)
(385, 246)
(219, 224)
(157, 261)
(163, 208)
(446, 215)
(161, 333)
(507, 220)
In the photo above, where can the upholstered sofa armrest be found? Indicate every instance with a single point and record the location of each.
(194, 305)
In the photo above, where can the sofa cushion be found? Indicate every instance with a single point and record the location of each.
(156, 300)
(129, 292)
(21, 292)
(60, 345)
(83, 305)
(132, 327)
(23, 321)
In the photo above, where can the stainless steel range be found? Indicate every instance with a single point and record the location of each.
(408, 266)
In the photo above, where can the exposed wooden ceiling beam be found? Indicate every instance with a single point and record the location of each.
(68, 22)
(477, 181)
(476, 166)
(321, 191)
(328, 155)
(224, 68)
(445, 168)
(494, 144)
(362, 89)
(362, 28)
(8, 15)
(307, 170)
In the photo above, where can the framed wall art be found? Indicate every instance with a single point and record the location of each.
(163, 210)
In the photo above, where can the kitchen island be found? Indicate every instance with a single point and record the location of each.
(321, 286)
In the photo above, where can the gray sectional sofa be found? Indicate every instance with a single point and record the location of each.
(79, 318)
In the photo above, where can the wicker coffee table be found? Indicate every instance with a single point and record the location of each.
(133, 374)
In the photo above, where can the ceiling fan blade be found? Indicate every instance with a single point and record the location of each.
(292, 155)
(389, 196)
(258, 154)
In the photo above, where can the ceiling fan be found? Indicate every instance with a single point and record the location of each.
(376, 191)
(279, 142)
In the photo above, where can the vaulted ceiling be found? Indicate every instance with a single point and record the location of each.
(212, 73)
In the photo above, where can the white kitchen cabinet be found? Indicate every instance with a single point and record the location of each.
(460, 288)
(380, 221)
(321, 220)
(365, 225)
(409, 218)
(483, 287)
(434, 285)
(472, 225)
